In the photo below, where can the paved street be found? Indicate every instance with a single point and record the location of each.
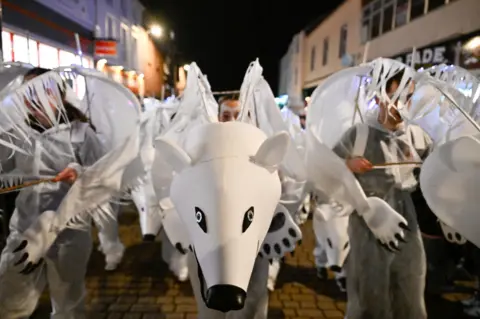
(142, 287)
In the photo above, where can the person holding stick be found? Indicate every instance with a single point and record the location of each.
(386, 282)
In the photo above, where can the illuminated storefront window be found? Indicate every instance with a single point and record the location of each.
(7, 46)
(20, 47)
(67, 58)
(33, 51)
(48, 56)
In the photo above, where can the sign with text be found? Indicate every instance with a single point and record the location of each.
(429, 56)
(105, 48)
(453, 51)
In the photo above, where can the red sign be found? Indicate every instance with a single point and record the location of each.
(105, 48)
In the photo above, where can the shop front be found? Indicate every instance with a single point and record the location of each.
(22, 48)
(463, 51)
(106, 54)
(35, 34)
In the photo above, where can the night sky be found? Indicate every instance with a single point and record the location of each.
(223, 37)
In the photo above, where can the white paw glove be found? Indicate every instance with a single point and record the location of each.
(451, 235)
(385, 223)
(35, 242)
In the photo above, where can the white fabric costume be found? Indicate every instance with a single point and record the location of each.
(110, 243)
(157, 121)
(158, 115)
(97, 102)
(294, 192)
(458, 132)
(213, 163)
(45, 211)
(380, 197)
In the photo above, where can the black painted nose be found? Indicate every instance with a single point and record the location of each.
(225, 298)
(335, 268)
(149, 238)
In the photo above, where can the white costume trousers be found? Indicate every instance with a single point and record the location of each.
(63, 271)
(110, 244)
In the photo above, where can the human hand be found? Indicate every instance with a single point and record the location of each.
(359, 165)
(68, 175)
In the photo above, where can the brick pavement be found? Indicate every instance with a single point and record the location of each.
(143, 288)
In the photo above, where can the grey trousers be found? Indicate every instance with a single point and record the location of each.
(382, 284)
(256, 304)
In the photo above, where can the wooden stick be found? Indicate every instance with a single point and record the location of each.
(24, 185)
(398, 163)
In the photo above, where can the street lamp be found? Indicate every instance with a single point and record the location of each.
(156, 31)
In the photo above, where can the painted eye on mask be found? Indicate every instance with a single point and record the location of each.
(201, 219)
(247, 219)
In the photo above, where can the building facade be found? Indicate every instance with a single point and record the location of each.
(135, 62)
(291, 68)
(416, 32)
(332, 45)
(36, 34)
(440, 31)
(42, 32)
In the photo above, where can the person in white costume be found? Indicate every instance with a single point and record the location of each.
(108, 235)
(58, 149)
(408, 265)
(468, 85)
(379, 102)
(158, 115)
(229, 109)
(144, 197)
(110, 243)
(293, 191)
(229, 246)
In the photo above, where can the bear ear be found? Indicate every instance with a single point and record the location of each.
(175, 156)
(272, 151)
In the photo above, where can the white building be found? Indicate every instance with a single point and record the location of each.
(291, 74)
(334, 38)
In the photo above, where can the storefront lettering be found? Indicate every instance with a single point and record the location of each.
(434, 55)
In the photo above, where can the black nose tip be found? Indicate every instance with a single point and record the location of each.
(336, 268)
(225, 298)
(149, 238)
